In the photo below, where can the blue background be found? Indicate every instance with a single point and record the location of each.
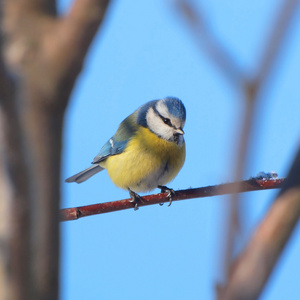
(145, 51)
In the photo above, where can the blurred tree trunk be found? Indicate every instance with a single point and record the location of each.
(41, 57)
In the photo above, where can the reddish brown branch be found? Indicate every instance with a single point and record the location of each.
(221, 189)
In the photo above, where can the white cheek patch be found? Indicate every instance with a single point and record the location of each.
(162, 109)
(156, 125)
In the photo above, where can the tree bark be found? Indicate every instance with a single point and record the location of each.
(41, 57)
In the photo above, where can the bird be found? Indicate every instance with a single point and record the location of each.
(146, 152)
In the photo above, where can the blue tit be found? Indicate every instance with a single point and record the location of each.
(146, 152)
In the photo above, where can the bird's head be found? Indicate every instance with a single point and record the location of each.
(165, 118)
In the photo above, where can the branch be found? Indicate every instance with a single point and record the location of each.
(274, 43)
(81, 24)
(74, 34)
(252, 269)
(45, 53)
(252, 90)
(204, 37)
(75, 213)
(14, 194)
(38, 6)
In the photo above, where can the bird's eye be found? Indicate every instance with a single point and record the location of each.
(167, 121)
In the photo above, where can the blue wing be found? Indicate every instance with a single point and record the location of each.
(118, 142)
(112, 147)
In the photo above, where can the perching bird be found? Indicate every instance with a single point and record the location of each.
(146, 152)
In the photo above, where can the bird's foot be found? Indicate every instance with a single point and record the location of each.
(134, 198)
(171, 193)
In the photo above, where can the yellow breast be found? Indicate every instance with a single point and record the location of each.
(148, 161)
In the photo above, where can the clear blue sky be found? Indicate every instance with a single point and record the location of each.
(144, 51)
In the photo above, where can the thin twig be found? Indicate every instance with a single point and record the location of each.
(75, 213)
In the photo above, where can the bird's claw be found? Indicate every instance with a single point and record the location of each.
(171, 193)
(134, 198)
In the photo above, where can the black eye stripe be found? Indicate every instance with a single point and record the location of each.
(167, 121)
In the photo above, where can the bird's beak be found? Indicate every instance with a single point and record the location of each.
(179, 131)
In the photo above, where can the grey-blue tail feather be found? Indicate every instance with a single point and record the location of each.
(85, 174)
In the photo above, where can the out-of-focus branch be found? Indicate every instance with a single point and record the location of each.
(14, 195)
(41, 57)
(72, 35)
(251, 88)
(14, 198)
(208, 42)
(209, 191)
(234, 222)
(274, 42)
(40, 6)
(84, 19)
(253, 267)
(225, 62)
